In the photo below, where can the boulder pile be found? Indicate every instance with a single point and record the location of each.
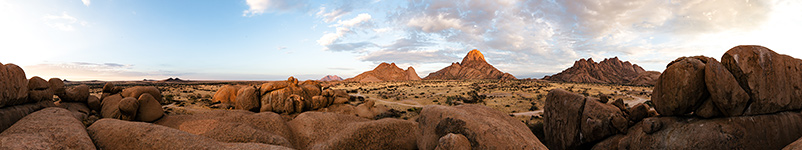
(284, 97)
(138, 103)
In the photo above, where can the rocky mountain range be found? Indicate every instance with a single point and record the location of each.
(473, 66)
(610, 70)
(386, 72)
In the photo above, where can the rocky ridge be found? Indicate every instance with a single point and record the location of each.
(473, 66)
(608, 71)
(386, 72)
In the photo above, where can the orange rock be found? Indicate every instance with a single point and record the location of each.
(386, 72)
(473, 66)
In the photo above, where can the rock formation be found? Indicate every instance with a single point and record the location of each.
(331, 78)
(321, 130)
(386, 72)
(234, 126)
(610, 71)
(135, 103)
(484, 128)
(473, 66)
(571, 120)
(49, 128)
(13, 85)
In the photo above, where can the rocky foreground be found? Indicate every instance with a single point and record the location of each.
(749, 100)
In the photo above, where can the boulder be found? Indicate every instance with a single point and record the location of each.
(562, 119)
(248, 99)
(119, 134)
(56, 85)
(638, 112)
(600, 121)
(39, 90)
(128, 107)
(453, 141)
(772, 81)
(226, 94)
(109, 107)
(149, 108)
(111, 89)
(78, 110)
(708, 110)
(310, 89)
(772, 131)
(796, 145)
(13, 85)
(233, 126)
(321, 130)
(137, 91)
(94, 103)
(272, 86)
(37, 83)
(681, 88)
(481, 125)
(49, 128)
(285, 100)
(78, 93)
(725, 93)
(12, 114)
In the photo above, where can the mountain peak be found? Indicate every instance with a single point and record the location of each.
(473, 55)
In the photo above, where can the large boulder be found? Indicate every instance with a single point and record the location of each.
(484, 127)
(453, 141)
(796, 145)
(233, 126)
(773, 131)
(284, 100)
(562, 119)
(57, 85)
(79, 110)
(773, 81)
(13, 85)
(227, 94)
(137, 91)
(681, 87)
(571, 120)
(118, 134)
(149, 109)
(49, 128)
(729, 98)
(78, 93)
(320, 130)
(39, 90)
(12, 114)
(248, 99)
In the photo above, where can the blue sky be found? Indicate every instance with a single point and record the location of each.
(273, 39)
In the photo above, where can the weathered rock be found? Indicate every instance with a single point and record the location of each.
(12, 114)
(248, 99)
(725, 93)
(110, 108)
(473, 66)
(773, 81)
(796, 145)
(707, 110)
(610, 70)
(272, 86)
(482, 126)
(149, 108)
(620, 104)
(137, 91)
(56, 85)
(638, 112)
(233, 126)
(111, 89)
(37, 83)
(562, 117)
(604, 98)
(227, 94)
(386, 72)
(319, 130)
(118, 134)
(129, 107)
(13, 85)
(599, 120)
(284, 100)
(94, 103)
(78, 110)
(39, 90)
(78, 93)
(310, 89)
(772, 131)
(453, 141)
(681, 88)
(49, 128)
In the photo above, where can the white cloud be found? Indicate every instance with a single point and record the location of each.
(436, 23)
(343, 28)
(63, 22)
(257, 7)
(86, 2)
(331, 16)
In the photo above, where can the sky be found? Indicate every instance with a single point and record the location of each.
(275, 39)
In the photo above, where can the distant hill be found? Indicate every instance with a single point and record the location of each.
(386, 72)
(473, 66)
(611, 70)
(331, 78)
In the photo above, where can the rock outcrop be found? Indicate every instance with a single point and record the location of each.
(227, 94)
(234, 126)
(484, 128)
(572, 121)
(386, 72)
(321, 130)
(135, 104)
(331, 78)
(609, 71)
(13, 85)
(773, 81)
(119, 134)
(473, 66)
(11, 114)
(49, 128)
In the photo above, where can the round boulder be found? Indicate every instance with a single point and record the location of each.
(681, 88)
